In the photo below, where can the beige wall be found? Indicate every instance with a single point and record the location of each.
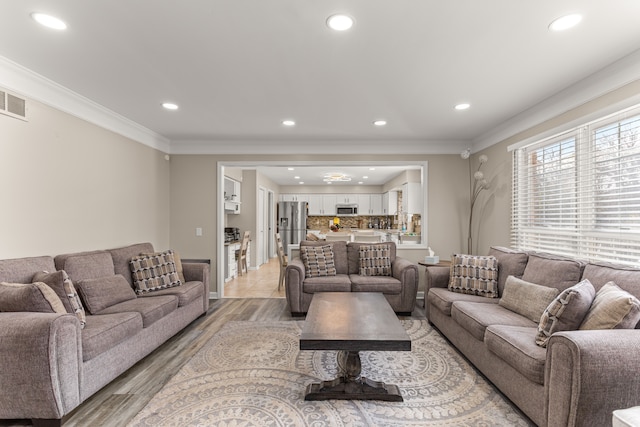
(194, 201)
(67, 185)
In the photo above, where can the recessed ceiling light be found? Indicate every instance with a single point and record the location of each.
(301, 182)
(49, 21)
(463, 106)
(340, 22)
(380, 122)
(360, 182)
(372, 169)
(170, 105)
(365, 177)
(288, 123)
(565, 22)
(291, 169)
(296, 177)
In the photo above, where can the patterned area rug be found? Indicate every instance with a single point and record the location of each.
(254, 374)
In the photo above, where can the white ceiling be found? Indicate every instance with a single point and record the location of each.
(314, 175)
(237, 68)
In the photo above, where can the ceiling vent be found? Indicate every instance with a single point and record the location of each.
(12, 105)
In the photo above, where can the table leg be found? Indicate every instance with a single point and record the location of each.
(350, 385)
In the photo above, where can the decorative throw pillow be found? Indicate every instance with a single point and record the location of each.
(63, 286)
(318, 261)
(37, 297)
(566, 312)
(527, 299)
(475, 275)
(154, 272)
(98, 294)
(612, 308)
(177, 260)
(375, 260)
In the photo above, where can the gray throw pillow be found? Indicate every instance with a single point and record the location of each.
(98, 294)
(35, 297)
(612, 308)
(566, 312)
(527, 299)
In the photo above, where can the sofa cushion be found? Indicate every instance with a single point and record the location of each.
(36, 297)
(375, 260)
(105, 331)
(353, 254)
(186, 293)
(553, 271)
(475, 275)
(21, 270)
(154, 272)
(612, 308)
(339, 253)
(122, 256)
(625, 277)
(86, 265)
(63, 286)
(475, 317)
(318, 261)
(511, 262)
(337, 283)
(566, 312)
(443, 298)
(527, 299)
(516, 346)
(98, 294)
(151, 309)
(384, 284)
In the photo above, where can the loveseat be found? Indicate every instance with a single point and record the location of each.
(53, 361)
(582, 375)
(397, 280)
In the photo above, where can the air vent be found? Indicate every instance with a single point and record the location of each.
(13, 105)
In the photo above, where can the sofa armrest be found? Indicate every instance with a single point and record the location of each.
(589, 374)
(41, 356)
(407, 272)
(199, 272)
(436, 277)
(293, 278)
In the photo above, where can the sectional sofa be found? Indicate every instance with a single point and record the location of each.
(582, 375)
(397, 279)
(53, 361)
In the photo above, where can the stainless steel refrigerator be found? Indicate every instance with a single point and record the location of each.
(292, 223)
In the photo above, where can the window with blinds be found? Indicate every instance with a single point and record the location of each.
(578, 193)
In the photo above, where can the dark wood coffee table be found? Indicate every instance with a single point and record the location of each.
(351, 322)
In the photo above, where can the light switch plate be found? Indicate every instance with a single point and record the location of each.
(198, 231)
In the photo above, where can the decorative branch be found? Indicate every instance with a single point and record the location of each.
(479, 184)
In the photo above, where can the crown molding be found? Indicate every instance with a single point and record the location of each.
(19, 79)
(315, 147)
(620, 73)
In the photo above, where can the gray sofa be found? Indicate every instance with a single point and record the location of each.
(50, 364)
(400, 288)
(579, 378)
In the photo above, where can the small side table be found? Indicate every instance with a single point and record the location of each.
(442, 263)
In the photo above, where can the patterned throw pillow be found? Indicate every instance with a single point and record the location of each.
(475, 275)
(375, 260)
(318, 261)
(35, 297)
(154, 272)
(566, 312)
(63, 286)
(612, 308)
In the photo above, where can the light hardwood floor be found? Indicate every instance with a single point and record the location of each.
(118, 402)
(260, 283)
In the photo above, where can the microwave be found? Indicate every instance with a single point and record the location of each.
(346, 210)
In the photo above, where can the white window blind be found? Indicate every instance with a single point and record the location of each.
(578, 193)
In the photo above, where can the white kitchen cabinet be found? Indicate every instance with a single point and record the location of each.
(390, 203)
(375, 204)
(315, 206)
(346, 198)
(231, 262)
(412, 197)
(329, 202)
(231, 195)
(364, 203)
(294, 197)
